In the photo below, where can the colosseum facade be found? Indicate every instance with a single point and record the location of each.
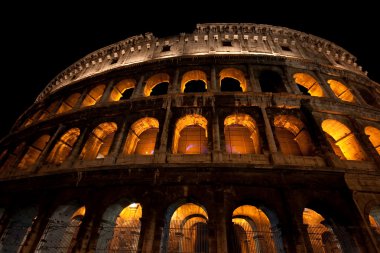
(234, 138)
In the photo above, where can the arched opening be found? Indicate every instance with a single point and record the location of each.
(341, 91)
(194, 81)
(241, 135)
(374, 219)
(99, 142)
(12, 157)
(63, 147)
(190, 135)
(374, 137)
(321, 235)
(142, 137)
(18, 229)
(162, 80)
(48, 111)
(32, 119)
(342, 140)
(93, 96)
(33, 153)
(188, 229)
(123, 90)
(62, 229)
(308, 85)
(271, 81)
(69, 103)
(368, 97)
(292, 136)
(232, 79)
(120, 228)
(253, 231)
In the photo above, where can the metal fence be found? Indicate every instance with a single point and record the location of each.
(323, 240)
(188, 240)
(13, 238)
(119, 239)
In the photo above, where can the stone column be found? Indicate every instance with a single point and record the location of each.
(77, 148)
(269, 132)
(216, 151)
(174, 85)
(119, 138)
(139, 90)
(255, 84)
(55, 108)
(157, 237)
(80, 99)
(289, 83)
(213, 80)
(161, 154)
(325, 86)
(147, 232)
(106, 94)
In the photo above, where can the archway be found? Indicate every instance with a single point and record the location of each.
(190, 135)
(142, 137)
(12, 157)
(232, 79)
(69, 103)
(374, 219)
(122, 90)
(99, 141)
(313, 88)
(33, 153)
(63, 147)
(241, 134)
(271, 81)
(93, 96)
(342, 140)
(368, 97)
(194, 81)
(156, 80)
(374, 137)
(48, 111)
(341, 91)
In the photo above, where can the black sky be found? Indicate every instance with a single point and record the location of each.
(40, 40)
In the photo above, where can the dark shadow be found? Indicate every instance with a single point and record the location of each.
(230, 84)
(160, 89)
(195, 86)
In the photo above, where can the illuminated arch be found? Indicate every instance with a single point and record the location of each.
(341, 91)
(193, 75)
(62, 228)
(342, 140)
(32, 119)
(307, 81)
(374, 219)
(69, 103)
(142, 136)
(374, 137)
(48, 111)
(153, 81)
(120, 88)
(241, 134)
(235, 74)
(188, 121)
(292, 136)
(63, 147)
(12, 157)
(120, 228)
(190, 222)
(93, 96)
(34, 152)
(99, 142)
(321, 236)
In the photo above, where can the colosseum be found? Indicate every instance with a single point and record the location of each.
(241, 138)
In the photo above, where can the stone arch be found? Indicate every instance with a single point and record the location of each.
(194, 124)
(94, 95)
(142, 137)
(252, 222)
(271, 81)
(342, 140)
(292, 136)
(34, 152)
(322, 236)
(241, 134)
(62, 228)
(18, 228)
(310, 84)
(99, 142)
(120, 227)
(341, 91)
(63, 147)
(193, 75)
(155, 80)
(186, 228)
(48, 111)
(12, 157)
(122, 90)
(367, 96)
(234, 74)
(373, 134)
(69, 103)
(32, 119)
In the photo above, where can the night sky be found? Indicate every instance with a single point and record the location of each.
(40, 40)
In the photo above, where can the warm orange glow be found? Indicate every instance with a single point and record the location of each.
(307, 81)
(292, 136)
(374, 137)
(120, 88)
(193, 75)
(34, 152)
(48, 111)
(63, 147)
(99, 142)
(13, 156)
(188, 209)
(79, 213)
(186, 121)
(235, 74)
(153, 81)
(241, 133)
(33, 118)
(344, 139)
(341, 91)
(148, 140)
(93, 96)
(69, 103)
